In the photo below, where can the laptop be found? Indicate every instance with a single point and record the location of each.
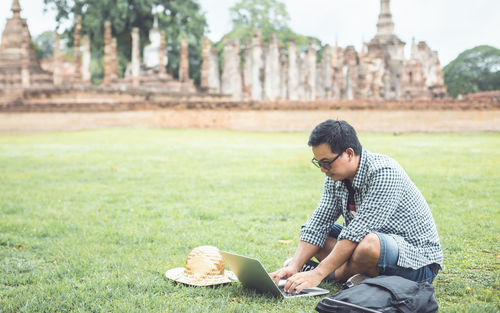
(253, 275)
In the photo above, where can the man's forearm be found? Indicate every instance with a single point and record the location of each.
(305, 251)
(340, 254)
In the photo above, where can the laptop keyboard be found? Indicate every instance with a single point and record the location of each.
(291, 294)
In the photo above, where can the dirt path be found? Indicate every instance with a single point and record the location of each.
(363, 120)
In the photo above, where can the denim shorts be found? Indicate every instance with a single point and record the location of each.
(387, 263)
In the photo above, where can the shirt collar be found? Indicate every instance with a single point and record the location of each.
(360, 176)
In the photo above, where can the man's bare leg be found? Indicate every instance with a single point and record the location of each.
(327, 248)
(364, 259)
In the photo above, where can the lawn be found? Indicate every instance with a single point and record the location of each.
(91, 221)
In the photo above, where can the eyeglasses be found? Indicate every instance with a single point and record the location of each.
(327, 165)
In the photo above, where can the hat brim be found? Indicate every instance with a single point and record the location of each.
(177, 274)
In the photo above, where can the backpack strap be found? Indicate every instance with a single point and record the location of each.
(343, 304)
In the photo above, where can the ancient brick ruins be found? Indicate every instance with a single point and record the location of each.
(378, 71)
(19, 65)
(20, 68)
(378, 76)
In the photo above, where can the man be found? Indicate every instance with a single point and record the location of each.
(388, 227)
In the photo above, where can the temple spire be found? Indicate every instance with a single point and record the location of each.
(413, 48)
(385, 26)
(16, 8)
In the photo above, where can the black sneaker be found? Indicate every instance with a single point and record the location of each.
(354, 281)
(310, 265)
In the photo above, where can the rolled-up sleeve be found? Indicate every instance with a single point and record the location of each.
(379, 204)
(315, 230)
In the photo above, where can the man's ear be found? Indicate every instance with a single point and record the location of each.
(350, 153)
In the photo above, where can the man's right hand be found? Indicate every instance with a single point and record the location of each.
(304, 252)
(283, 273)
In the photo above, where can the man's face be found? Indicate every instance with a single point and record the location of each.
(336, 170)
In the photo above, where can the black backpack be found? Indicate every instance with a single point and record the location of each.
(382, 294)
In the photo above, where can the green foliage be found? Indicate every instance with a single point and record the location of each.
(284, 36)
(268, 16)
(176, 18)
(264, 14)
(91, 221)
(476, 69)
(44, 44)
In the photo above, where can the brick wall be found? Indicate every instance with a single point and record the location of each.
(101, 99)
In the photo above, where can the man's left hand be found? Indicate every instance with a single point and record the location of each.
(303, 280)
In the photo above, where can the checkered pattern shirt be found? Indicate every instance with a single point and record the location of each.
(387, 201)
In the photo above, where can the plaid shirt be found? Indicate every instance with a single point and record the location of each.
(387, 201)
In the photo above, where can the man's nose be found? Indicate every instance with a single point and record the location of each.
(324, 170)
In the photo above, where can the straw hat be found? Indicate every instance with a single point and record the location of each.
(204, 267)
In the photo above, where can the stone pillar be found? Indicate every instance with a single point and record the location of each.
(184, 61)
(350, 72)
(214, 76)
(247, 71)
(210, 80)
(76, 48)
(272, 70)
(57, 78)
(413, 53)
(303, 72)
(326, 78)
(283, 74)
(231, 74)
(293, 71)
(349, 95)
(257, 66)
(205, 65)
(86, 75)
(162, 64)
(108, 51)
(320, 84)
(310, 90)
(227, 70)
(367, 81)
(136, 56)
(438, 72)
(363, 51)
(114, 60)
(337, 78)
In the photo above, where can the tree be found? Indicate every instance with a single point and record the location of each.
(44, 44)
(176, 18)
(476, 69)
(270, 17)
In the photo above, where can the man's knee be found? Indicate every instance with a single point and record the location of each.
(367, 249)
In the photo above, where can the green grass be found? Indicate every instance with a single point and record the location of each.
(90, 221)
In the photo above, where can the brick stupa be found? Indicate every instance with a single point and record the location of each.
(19, 65)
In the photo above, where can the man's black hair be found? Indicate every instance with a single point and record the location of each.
(339, 135)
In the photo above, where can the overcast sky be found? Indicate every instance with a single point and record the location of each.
(448, 26)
